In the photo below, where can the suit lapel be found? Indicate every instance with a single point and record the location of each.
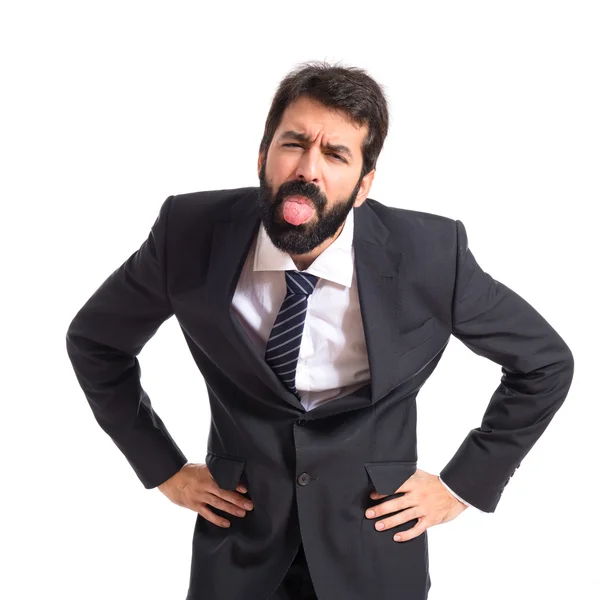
(379, 280)
(230, 244)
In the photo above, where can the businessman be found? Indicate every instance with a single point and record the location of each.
(315, 315)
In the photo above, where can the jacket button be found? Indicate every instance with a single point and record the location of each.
(302, 421)
(304, 479)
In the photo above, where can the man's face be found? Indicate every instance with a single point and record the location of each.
(315, 154)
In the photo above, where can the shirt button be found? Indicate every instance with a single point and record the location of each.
(304, 479)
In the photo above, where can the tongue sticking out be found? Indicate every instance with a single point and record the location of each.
(297, 212)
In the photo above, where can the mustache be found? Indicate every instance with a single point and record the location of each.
(300, 188)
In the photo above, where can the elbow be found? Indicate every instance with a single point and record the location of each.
(73, 346)
(569, 364)
(564, 368)
(77, 341)
(71, 337)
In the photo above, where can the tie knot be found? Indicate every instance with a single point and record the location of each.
(300, 282)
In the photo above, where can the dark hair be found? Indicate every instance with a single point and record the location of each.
(348, 89)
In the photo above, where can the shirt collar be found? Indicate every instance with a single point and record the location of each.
(335, 263)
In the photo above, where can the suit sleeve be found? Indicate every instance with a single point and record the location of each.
(457, 496)
(537, 369)
(103, 341)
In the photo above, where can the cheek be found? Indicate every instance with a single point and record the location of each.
(280, 169)
(336, 186)
(280, 160)
(338, 179)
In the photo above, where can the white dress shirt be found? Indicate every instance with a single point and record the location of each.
(333, 359)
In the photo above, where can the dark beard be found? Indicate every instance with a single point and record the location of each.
(300, 239)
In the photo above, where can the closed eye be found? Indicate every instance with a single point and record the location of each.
(337, 156)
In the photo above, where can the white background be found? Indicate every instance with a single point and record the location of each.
(108, 108)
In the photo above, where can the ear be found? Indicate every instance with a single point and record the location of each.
(260, 163)
(365, 186)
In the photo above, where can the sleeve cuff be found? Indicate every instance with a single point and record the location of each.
(457, 496)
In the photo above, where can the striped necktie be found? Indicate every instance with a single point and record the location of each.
(283, 347)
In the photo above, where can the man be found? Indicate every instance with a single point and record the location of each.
(315, 315)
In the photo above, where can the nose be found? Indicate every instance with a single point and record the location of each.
(308, 166)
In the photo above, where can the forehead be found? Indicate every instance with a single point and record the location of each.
(312, 118)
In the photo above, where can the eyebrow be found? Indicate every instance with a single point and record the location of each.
(302, 137)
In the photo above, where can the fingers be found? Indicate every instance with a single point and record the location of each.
(382, 510)
(234, 499)
(226, 501)
(390, 506)
(212, 500)
(413, 532)
(400, 518)
(405, 510)
(376, 496)
(209, 515)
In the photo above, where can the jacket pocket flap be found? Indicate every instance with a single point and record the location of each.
(225, 470)
(387, 477)
(409, 340)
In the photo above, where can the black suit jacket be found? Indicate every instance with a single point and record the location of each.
(309, 473)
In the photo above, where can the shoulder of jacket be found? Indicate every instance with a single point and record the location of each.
(419, 222)
(210, 204)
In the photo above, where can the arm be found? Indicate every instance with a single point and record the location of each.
(103, 341)
(537, 368)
